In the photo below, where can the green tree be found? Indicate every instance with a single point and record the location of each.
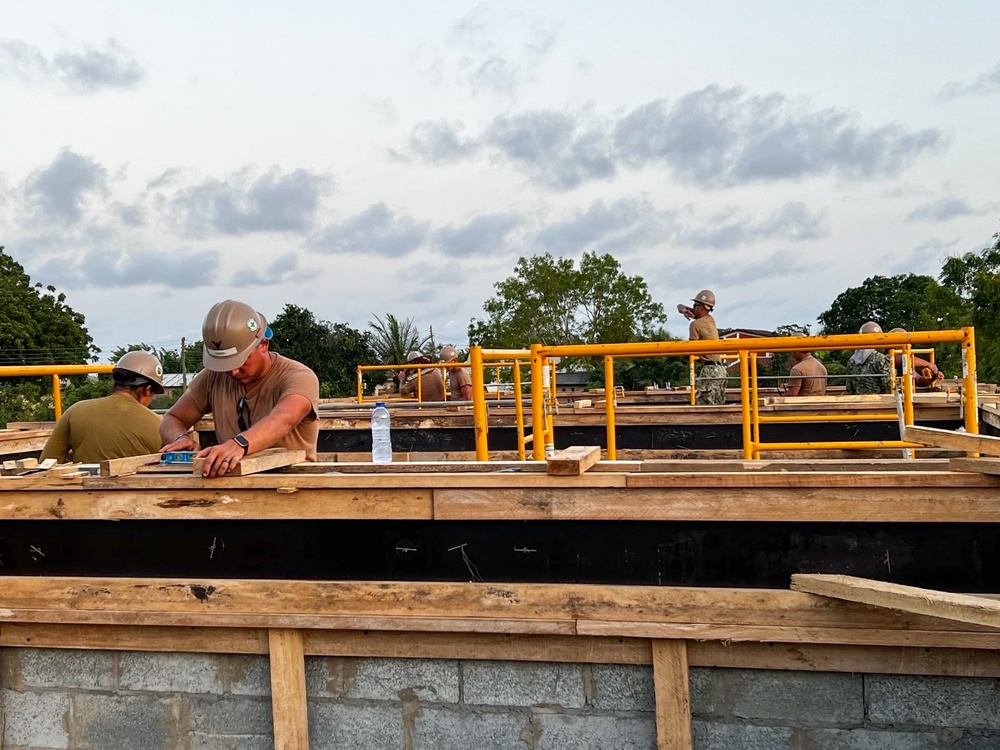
(975, 279)
(636, 373)
(332, 350)
(550, 300)
(36, 324)
(393, 338)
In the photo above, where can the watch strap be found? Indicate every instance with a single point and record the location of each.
(242, 442)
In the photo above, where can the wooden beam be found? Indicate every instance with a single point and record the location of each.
(943, 604)
(272, 458)
(718, 466)
(572, 462)
(288, 690)
(817, 479)
(846, 504)
(119, 467)
(673, 695)
(979, 465)
(959, 441)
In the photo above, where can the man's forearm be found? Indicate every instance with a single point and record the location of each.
(172, 429)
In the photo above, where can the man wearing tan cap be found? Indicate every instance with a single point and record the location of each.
(257, 398)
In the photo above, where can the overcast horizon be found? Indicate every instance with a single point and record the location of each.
(392, 158)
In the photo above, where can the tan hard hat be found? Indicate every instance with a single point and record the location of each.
(448, 353)
(871, 327)
(142, 364)
(230, 332)
(415, 355)
(705, 297)
(898, 330)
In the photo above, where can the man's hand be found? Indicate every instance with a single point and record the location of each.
(181, 443)
(220, 459)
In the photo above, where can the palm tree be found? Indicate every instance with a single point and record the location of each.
(393, 338)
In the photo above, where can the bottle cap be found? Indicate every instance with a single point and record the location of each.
(379, 403)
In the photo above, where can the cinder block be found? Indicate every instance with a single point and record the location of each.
(439, 728)
(100, 722)
(810, 698)
(505, 683)
(34, 719)
(58, 668)
(336, 726)
(559, 731)
(964, 702)
(200, 674)
(717, 736)
(230, 716)
(433, 680)
(866, 739)
(231, 742)
(620, 687)
(969, 741)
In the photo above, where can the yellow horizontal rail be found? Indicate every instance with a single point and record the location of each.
(887, 416)
(835, 445)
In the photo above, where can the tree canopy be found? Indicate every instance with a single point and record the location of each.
(551, 300)
(36, 324)
(393, 338)
(332, 350)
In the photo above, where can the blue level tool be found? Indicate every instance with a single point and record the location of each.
(178, 457)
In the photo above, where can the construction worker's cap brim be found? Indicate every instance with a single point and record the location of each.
(228, 362)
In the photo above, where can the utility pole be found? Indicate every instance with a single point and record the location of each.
(433, 347)
(184, 376)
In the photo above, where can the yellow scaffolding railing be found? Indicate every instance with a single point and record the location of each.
(55, 371)
(542, 399)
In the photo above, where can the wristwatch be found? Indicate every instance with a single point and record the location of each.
(243, 443)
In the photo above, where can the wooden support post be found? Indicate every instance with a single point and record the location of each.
(288, 689)
(673, 697)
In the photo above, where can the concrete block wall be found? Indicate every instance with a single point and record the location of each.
(56, 700)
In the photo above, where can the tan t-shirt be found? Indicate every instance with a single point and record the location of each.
(115, 426)
(218, 393)
(811, 376)
(703, 329)
(457, 378)
(431, 385)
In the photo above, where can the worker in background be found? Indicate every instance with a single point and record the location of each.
(430, 379)
(711, 377)
(871, 367)
(807, 376)
(925, 373)
(115, 426)
(257, 398)
(459, 380)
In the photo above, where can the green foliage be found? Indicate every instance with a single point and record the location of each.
(29, 400)
(392, 339)
(975, 279)
(36, 324)
(550, 300)
(332, 350)
(636, 373)
(86, 388)
(169, 358)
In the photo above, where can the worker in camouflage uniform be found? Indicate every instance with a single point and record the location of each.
(711, 377)
(872, 363)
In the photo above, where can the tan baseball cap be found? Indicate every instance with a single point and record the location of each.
(230, 332)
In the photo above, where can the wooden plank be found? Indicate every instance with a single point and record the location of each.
(943, 604)
(980, 465)
(133, 638)
(673, 695)
(26, 463)
(959, 441)
(811, 479)
(52, 499)
(288, 690)
(718, 466)
(572, 462)
(247, 603)
(118, 467)
(845, 504)
(272, 458)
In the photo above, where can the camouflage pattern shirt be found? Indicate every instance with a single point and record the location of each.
(877, 366)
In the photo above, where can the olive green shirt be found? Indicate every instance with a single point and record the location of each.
(115, 426)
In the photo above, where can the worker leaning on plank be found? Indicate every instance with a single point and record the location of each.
(116, 426)
(711, 379)
(257, 398)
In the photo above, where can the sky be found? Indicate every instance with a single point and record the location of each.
(359, 159)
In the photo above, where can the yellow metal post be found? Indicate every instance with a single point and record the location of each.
(56, 395)
(550, 409)
(519, 410)
(537, 405)
(479, 414)
(970, 397)
(361, 394)
(694, 392)
(907, 386)
(755, 418)
(745, 405)
(609, 406)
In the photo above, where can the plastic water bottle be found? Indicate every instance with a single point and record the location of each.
(381, 439)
